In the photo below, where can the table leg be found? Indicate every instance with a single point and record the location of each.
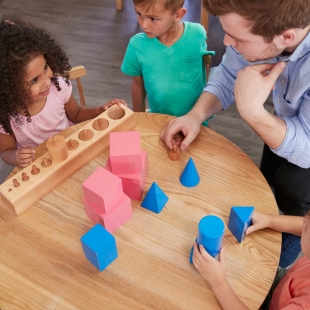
(119, 4)
(204, 17)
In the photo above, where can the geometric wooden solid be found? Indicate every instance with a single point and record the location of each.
(103, 189)
(210, 234)
(125, 152)
(99, 247)
(119, 214)
(190, 177)
(20, 198)
(240, 219)
(155, 199)
(57, 148)
(133, 184)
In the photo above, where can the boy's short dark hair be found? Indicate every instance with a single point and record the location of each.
(269, 18)
(173, 5)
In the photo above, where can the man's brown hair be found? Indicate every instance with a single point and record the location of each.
(173, 5)
(269, 18)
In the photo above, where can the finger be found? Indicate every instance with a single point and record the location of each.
(253, 228)
(197, 257)
(187, 141)
(167, 137)
(204, 253)
(222, 258)
(276, 71)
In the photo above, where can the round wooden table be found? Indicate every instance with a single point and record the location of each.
(42, 264)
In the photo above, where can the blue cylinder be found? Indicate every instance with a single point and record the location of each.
(210, 234)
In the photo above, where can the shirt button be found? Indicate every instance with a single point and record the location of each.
(279, 100)
(283, 82)
(300, 55)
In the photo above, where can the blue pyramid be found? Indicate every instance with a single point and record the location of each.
(190, 176)
(155, 199)
(240, 219)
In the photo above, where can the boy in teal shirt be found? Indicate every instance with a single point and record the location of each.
(166, 61)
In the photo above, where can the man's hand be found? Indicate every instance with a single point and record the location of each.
(253, 86)
(186, 124)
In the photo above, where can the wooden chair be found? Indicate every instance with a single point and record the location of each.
(207, 60)
(204, 17)
(77, 73)
(119, 4)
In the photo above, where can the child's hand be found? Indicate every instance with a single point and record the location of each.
(259, 221)
(213, 270)
(119, 102)
(25, 156)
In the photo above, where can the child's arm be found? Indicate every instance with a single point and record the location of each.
(10, 155)
(138, 94)
(214, 271)
(282, 223)
(77, 113)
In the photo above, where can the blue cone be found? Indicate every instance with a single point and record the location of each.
(190, 176)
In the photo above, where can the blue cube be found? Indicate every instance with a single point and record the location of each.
(240, 219)
(99, 247)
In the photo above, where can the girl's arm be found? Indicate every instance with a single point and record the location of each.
(77, 113)
(214, 271)
(282, 223)
(138, 94)
(10, 155)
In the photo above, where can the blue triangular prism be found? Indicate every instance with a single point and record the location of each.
(155, 199)
(244, 213)
(190, 176)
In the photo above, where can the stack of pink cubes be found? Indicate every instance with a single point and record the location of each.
(104, 200)
(128, 162)
(107, 192)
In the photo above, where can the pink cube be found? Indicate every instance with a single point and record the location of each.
(103, 189)
(120, 213)
(133, 184)
(125, 152)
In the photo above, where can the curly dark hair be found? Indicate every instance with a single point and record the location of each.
(21, 42)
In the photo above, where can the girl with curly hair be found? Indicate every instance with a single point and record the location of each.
(36, 98)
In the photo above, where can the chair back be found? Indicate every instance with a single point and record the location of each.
(76, 73)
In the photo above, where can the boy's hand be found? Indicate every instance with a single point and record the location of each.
(259, 221)
(213, 270)
(25, 156)
(119, 102)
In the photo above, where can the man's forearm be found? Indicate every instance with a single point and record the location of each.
(206, 106)
(270, 128)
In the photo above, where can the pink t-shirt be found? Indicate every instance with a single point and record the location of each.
(293, 291)
(48, 122)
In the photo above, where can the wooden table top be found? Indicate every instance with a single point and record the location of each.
(42, 264)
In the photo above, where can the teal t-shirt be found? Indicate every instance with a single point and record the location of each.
(174, 76)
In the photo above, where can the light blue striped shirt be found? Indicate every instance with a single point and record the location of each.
(291, 97)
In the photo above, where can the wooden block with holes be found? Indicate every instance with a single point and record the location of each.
(32, 183)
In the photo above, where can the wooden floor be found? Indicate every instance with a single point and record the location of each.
(96, 35)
